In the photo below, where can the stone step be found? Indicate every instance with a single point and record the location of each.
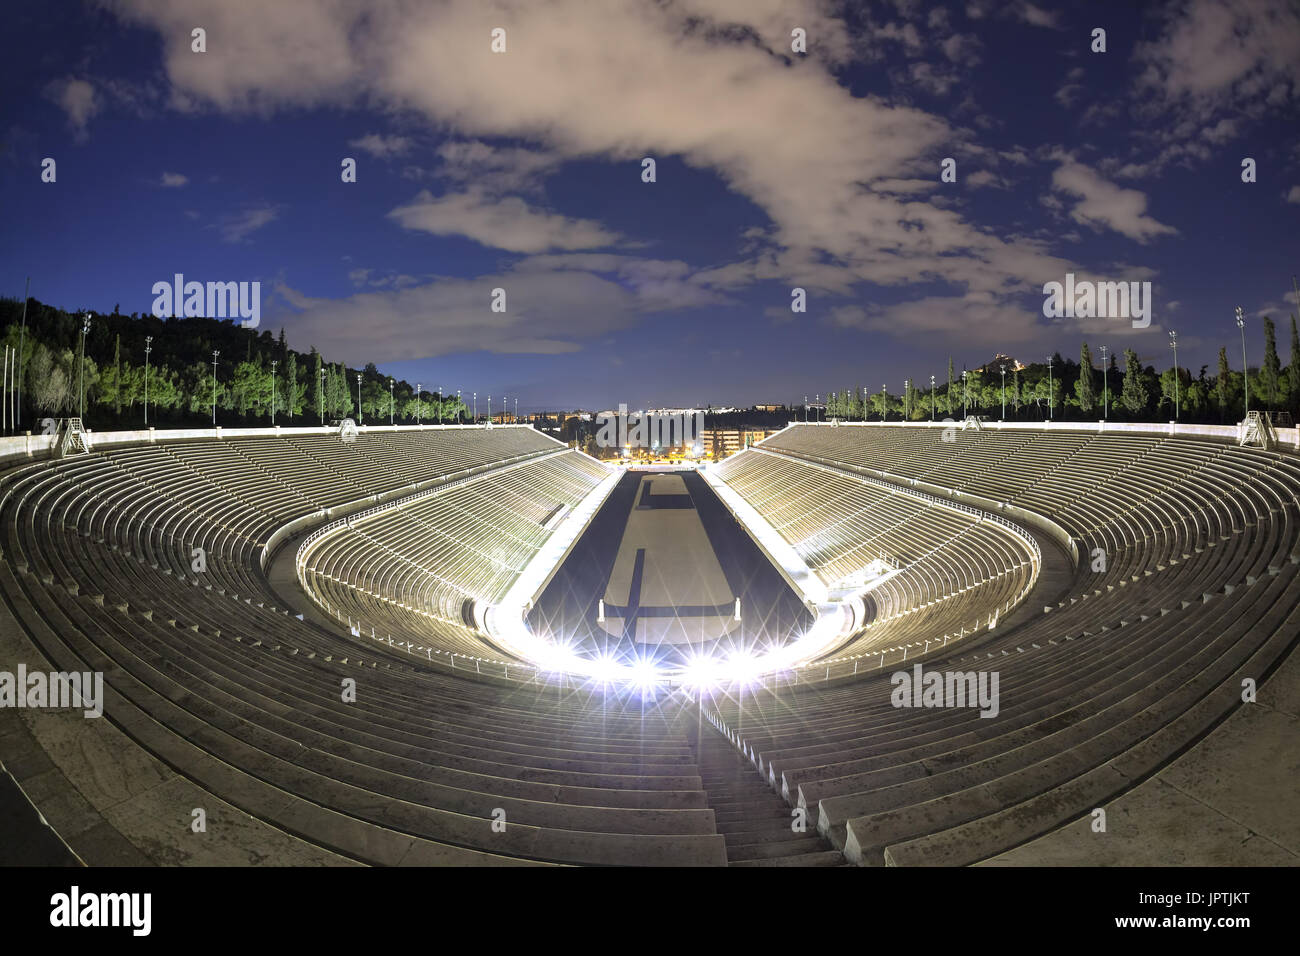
(767, 851)
(821, 858)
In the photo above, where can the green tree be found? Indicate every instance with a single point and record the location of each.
(1270, 373)
(1221, 384)
(1084, 388)
(292, 389)
(948, 396)
(1134, 396)
(316, 386)
(1293, 370)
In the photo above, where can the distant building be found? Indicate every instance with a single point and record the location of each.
(721, 442)
(998, 361)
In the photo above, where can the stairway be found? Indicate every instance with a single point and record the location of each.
(754, 821)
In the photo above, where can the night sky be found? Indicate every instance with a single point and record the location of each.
(774, 169)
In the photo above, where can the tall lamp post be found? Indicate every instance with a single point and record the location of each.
(458, 403)
(1245, 368)
(81, 375)
(274, 363)
(1004, 391)
(360, 419)
(476, 408)
(1051, 391)
(931, 398)
(965, 395)
(418, 387)
(907, 399)
(1173, 344)
(322, 395)
(884, 401)
(1105, 390)
(391, 407)
(22, 338)
(147, 349)
(215, 353)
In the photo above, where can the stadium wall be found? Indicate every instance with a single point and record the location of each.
(1287, 437)
(17, 448)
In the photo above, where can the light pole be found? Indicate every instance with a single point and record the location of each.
(359, 417)
(1173, 344)
(476, 408)
(391, 407)
(1105, 390)
(215, 353)
(274, 363)
(805, 409)
(931, 398)
(458, 403)
(81, 375)
(907, 399)
(147, 350)
(1245, 369)
(1004, 391)
(884, 401)
(418, 386)
(965, 395)
(22, 338)
(1051, 391)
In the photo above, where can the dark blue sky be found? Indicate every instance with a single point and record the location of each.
(522, 170)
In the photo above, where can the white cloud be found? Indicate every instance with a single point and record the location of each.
(708, 81)
(380, 146)
(508, 223)
(1293, 195)
(1221, 132)
(983, 177)
(554, 304)
(495, 169)
(78, 100)
(1102, 204)
(1214, 50)
(173, 180)
(238, 226)
(962, 49)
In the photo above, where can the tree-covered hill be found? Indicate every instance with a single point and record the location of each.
(180, 374)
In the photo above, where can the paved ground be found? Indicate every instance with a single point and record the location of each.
(669, 561)
(1230, 800)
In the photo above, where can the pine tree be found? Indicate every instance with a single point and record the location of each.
(292, 396)
(317, 393)
(1270, 374)
(1293, 370)
(1083, 388)
(949, 396)
(1134, 396)
(117, 372)
(1221, 384)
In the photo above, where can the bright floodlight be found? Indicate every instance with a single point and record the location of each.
(701, 673)
(743, 667)
(645, 675)
(604, 668)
